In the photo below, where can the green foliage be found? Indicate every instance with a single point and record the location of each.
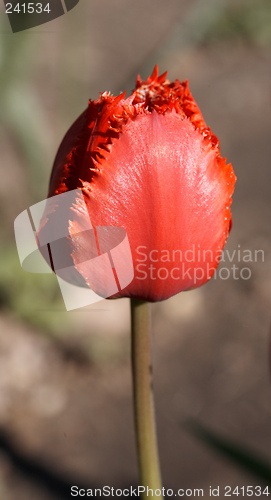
(249, 21)
(34, 298)
(243, 457)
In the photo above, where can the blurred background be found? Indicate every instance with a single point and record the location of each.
(65, 383)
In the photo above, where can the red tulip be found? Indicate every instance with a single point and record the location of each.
(147, 164)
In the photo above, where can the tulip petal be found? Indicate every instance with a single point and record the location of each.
(172, 195)
(147, 165)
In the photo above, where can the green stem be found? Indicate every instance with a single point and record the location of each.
(146, 440)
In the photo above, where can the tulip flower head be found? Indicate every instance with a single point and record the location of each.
(147, 164)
